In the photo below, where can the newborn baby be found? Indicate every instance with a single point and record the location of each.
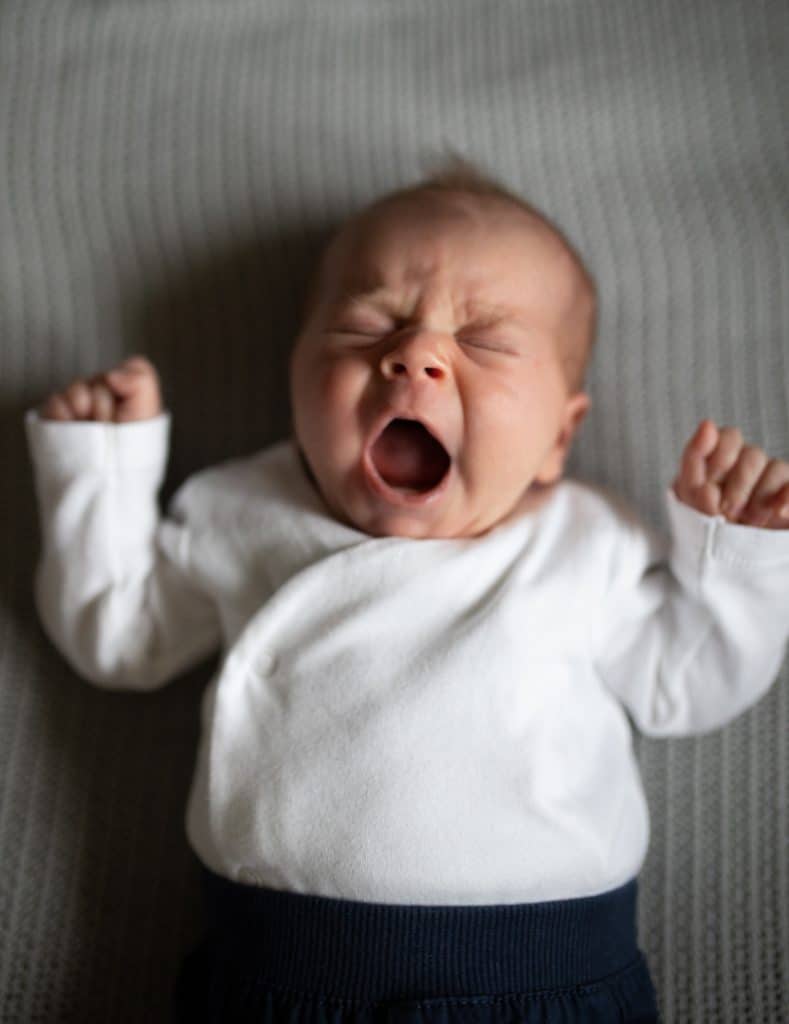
(415, 792)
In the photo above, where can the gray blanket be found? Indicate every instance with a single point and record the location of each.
(169, 172)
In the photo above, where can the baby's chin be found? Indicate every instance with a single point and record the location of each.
(378, 519)
(450, 520)
(455, 521)
(406, 526)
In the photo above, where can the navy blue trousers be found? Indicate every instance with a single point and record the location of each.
(271, 956)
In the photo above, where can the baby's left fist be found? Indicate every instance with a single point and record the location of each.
(719, 474)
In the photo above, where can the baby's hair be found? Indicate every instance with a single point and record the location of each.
(453, 174)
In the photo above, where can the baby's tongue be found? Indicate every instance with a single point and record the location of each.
(407, 455)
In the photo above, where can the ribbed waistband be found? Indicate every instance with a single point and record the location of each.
(367, 951)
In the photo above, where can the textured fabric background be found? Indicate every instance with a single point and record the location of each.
(169, 172)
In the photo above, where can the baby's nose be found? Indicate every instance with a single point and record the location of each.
(415, 357)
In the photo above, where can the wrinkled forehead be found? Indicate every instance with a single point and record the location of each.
(429, 222)
(479, 241)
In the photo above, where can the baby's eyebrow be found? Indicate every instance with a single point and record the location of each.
(384, 299)
(372, 296)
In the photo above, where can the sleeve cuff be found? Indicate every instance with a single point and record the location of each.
(721, 540)
(72, 446)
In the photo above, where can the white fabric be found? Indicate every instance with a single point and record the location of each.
(399, 720)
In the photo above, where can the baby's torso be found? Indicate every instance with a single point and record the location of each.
(408, 720)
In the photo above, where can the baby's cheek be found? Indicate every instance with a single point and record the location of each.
(341, 387)
(498, 409)
(332, 384)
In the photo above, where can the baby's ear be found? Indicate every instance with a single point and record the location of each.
(574, 412)
(578, 405)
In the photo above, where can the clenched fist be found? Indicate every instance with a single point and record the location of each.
(127, 392)
(720, 474)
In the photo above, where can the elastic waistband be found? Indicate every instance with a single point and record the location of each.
(368, 951)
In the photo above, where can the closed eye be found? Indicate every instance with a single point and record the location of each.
(488, 346)
(362, 336)
(480, 344)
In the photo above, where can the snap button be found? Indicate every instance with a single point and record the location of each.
(249, 876)
(265, 661)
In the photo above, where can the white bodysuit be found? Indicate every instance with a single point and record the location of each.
(403, 720)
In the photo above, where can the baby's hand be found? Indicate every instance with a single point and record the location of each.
(719, 474)
(127, 392)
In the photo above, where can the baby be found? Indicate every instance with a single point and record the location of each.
(415, 796)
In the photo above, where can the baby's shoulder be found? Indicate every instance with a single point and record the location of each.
(598, 505)
(224, 492)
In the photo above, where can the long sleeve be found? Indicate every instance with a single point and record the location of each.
(115, 585)
(691, 632)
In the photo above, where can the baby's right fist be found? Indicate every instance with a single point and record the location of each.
(126, 393)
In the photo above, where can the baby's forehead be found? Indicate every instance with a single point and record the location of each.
(415, 229)
(443, 211)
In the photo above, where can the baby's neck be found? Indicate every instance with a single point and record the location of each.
(306, 467)
(529, 503)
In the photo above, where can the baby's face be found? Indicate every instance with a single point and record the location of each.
(446, 311)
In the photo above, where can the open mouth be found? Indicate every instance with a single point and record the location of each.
(407, 457)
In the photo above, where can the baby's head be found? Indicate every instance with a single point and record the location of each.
(455, 304)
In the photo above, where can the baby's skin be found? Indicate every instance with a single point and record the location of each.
(452, 315)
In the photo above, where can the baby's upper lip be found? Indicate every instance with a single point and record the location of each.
(404, 412)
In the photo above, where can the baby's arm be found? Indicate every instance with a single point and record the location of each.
(115, 585)
(692, 633)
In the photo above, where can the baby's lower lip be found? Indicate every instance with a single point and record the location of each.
(402, 495)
